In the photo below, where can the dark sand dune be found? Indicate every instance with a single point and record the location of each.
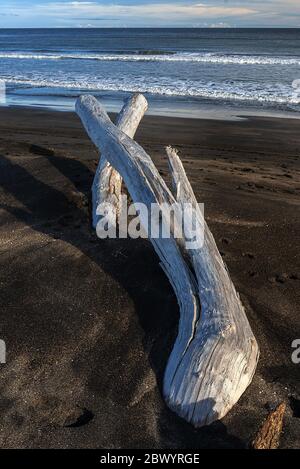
(89, 324)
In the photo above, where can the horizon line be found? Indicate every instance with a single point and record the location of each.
(153, 27)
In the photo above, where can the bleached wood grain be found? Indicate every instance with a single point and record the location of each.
(215, 354)
(107, 184)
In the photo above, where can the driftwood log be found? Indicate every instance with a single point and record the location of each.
(215, 354)
(107, 184)
(268, 436)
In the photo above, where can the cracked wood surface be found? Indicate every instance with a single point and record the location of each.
(107, 184)
(215, 354)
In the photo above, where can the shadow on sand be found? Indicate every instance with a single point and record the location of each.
(132, 263)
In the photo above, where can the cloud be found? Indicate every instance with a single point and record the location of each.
(199, 9)
(81, 3)
(220, 25)
(155, 12)
(158, 11)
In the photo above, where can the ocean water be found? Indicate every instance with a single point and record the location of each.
(181, 71)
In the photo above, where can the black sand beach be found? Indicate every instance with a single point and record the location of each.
(89, 324)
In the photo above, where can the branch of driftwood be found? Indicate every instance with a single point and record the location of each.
(215, 354)
(268, 436)
(107, 184)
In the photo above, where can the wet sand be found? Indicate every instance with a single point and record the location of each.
(89, 324)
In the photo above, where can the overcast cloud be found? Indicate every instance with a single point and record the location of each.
(154, 13)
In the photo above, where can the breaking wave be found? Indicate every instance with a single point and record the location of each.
(159, 56)
(233, 90)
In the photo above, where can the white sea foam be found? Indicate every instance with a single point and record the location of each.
(161, 57)
(237, 91)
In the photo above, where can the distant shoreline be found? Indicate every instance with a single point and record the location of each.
(214, 112)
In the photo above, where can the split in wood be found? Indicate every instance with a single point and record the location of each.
(107, 184)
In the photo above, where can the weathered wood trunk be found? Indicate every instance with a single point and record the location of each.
(215, 354)
(268, 436)
(107, 184)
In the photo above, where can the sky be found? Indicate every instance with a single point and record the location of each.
(151, 13)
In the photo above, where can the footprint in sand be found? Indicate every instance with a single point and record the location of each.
(38, 150)
(283, 278)
(79, 418)
(252, 274)
(249, 255)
